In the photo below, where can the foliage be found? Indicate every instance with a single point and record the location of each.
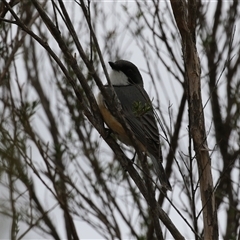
(58, 175)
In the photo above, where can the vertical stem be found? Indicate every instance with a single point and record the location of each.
(186, 26)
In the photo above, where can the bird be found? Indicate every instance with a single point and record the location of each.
(138, 112)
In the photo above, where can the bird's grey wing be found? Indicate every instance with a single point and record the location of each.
(137, 109)
(144, 126)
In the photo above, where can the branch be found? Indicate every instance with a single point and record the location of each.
(94, 117)
(196, 115)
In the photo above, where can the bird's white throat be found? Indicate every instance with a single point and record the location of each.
(118, 78)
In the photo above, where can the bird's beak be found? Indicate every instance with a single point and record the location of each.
(113, 65)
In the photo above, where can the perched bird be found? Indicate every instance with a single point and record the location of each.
(138, 111)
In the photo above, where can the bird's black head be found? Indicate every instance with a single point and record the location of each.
(129, 69)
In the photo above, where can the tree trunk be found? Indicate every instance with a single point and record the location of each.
(186, 26)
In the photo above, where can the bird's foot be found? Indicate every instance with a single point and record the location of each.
(108, 131)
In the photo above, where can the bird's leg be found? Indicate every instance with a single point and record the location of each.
(108, 131)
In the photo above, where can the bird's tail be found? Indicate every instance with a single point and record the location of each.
(161, 173)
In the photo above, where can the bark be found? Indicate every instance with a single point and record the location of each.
(186, 26)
